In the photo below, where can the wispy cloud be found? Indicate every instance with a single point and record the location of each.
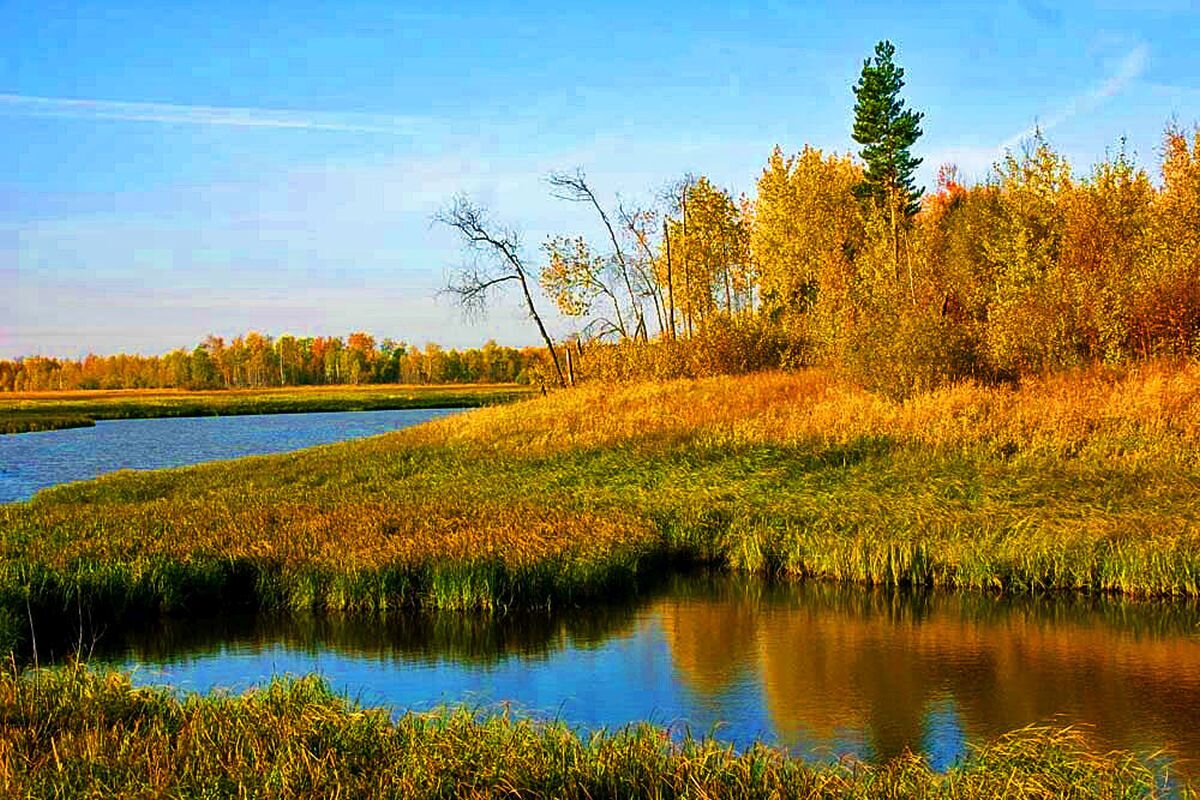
(221, 116)
(1128, 70)
(976, 160)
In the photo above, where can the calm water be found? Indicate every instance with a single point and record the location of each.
(822, 670)
(32, 461)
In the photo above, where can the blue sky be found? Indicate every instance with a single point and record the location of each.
(173, 170)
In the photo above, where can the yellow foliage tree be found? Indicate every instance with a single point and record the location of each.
(807, 226)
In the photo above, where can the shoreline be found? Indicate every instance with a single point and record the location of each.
(42, 411)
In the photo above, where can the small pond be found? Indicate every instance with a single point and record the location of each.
(823, 670)
(33, 461)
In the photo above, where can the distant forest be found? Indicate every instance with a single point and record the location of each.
(258, 360)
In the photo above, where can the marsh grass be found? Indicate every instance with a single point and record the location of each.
(74, 732)
(32, 411)
(1082, 482)
(31, 422)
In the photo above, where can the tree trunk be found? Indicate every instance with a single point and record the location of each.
(562, 381)
(670, 281)
(728, 288)
(687, 277)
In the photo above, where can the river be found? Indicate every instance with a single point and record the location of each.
(823, 670)
(32, 461)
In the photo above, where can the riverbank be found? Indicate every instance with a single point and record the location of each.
(1083, 482)
(37, 411)
(77, 732)
(32, 422)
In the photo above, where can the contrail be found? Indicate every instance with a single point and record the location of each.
(221, 116)
(1131, 66)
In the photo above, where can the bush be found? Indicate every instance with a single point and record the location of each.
(725, 346)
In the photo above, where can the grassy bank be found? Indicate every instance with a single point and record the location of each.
(30, 422)
(31, 411)
(1081, 482)
(71, 732)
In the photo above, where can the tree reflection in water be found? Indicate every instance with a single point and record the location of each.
(899, 669)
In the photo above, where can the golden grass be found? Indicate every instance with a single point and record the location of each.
(1150, 408)
(1088, 481)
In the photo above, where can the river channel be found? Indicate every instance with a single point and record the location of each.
(33, 461)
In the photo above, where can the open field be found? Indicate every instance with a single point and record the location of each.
(1081, 482)
(33, 411)
(74, 732)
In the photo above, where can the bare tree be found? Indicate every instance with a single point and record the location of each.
(639, 225)
(499, 252)
(574, 187)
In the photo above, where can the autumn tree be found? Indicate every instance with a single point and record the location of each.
(705, 261)
(576, 279)
(500, 261)
(1106, 255)
(1166, 316)
(359, 357)
(260, 362)
(203, 371)
(805, 232)
(1028, 326)
(608, 274)
(287, 355)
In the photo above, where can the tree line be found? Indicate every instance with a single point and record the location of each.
(843, 260)
(257, 360)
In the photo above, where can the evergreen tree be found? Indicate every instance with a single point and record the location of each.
(886, 130)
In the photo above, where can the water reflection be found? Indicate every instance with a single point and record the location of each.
(904, 670)
(398, 638)
(824, 670)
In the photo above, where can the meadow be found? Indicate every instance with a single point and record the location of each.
(22, 412)
(1086, 481)
(75, 732)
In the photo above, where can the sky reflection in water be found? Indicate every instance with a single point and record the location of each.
(33, 461)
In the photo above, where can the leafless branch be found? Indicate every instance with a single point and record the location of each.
(574, 187)
(470, 289)
(502, 247)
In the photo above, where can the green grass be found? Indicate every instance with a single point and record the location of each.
(48, 410)
(73, 732)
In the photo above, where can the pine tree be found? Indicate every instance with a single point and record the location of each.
(886, 130)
